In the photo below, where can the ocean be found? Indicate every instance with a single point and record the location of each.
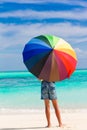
(22, 91)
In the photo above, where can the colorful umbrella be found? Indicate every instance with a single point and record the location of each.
(49, 58)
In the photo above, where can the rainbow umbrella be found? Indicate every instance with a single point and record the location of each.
(49, 58)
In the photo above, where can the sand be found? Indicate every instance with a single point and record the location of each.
(31, 120)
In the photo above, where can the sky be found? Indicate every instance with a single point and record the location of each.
(21, 20)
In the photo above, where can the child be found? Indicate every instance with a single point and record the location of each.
(48, 93)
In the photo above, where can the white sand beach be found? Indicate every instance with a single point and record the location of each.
(31, 120)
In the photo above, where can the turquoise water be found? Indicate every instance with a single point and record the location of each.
(21, 90)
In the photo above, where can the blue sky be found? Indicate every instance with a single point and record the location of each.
(20, 20)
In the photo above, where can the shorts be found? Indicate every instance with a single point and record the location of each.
(48, 90)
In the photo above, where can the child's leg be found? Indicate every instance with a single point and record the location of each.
(47, 111)
(57, 112)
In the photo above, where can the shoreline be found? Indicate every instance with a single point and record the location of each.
(31, 120)
(34, 110)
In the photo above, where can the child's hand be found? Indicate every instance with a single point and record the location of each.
(40, 79)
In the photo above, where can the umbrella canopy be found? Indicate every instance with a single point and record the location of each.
(49, 58)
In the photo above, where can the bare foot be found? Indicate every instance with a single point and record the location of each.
(48, 126)
(62, 125)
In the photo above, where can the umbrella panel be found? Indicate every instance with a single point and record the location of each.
(68, 61)
(53, 69)
(35, 59)
(45, 73)
(43, 38)
(54, 72)
(38, 65)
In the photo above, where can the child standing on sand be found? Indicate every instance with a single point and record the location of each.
(48, 93)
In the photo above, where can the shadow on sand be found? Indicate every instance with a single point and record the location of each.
(27, 128)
